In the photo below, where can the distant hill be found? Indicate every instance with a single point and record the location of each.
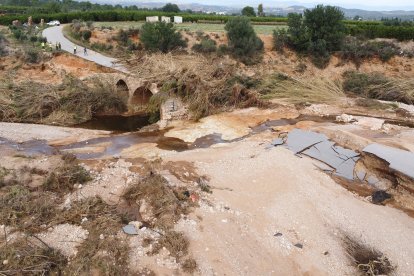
(278, 9)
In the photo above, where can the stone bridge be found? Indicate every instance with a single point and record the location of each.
(137, 93)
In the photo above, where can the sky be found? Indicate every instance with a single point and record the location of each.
(366, 4)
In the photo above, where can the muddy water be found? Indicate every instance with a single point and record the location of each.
(30, 148)
(119, 123)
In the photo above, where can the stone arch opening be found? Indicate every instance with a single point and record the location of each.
(122, 90)
(141, 96)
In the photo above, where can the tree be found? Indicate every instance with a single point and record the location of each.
(169, 7)
(243, 41)
(161, 36)
(260, 11)
(248, 11)
(298, 37)
(325, 23)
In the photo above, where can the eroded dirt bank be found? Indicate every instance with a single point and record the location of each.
(270, 211)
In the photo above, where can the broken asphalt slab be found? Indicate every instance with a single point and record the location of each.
(399, 160)
(317, 146)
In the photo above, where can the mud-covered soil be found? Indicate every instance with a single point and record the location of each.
(259, 209)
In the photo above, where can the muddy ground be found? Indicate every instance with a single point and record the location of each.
(270, 211)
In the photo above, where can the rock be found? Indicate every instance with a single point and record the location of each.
(145, 210)
(137, 224)
(278, 234)
(130, 229)
(84, 220)
(101, 236)
(5, 262)
(345, 118)
(380, 196)
(299, 245)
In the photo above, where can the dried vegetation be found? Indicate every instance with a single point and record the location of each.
(205, 84)
(71, 102)
(367, 260)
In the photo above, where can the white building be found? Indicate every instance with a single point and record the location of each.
(178, 19)
(166, 19)
(152, 19)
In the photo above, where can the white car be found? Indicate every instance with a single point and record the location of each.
(54, 23)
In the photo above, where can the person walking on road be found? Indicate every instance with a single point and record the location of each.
(85, 51)
(57, 46)
(60, 46)
(74, 49)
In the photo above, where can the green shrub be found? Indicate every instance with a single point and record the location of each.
(222, 50)
(325, 23)
(376, 86)
(280, 40)
(32, 55)
(86, 35)
(243, 41)
(3, 42)
(318, 33)
(205, 46)
(161, 36)
(319, 53)
(357, 51)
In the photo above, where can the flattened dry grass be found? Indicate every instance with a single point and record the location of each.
(377, 86)
(296, 90)
(30, 206)
(175, 242)
(27, 211)
(166, 204)
(204, 84)
(64, 177)
(71, 102)
(30, 257)
(103, 252)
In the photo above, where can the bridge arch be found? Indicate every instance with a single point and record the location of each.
(141, 96)
(122, 89)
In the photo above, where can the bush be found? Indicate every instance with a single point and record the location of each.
(325, 23)
(205, 46)
(318, 33)
(86, 35)
(280, 40)
(319, 53)
(357, 51)
(161, 36)
(122, 37)
(33, 39)
(376, 86)
(222, 50)
(3, 43)
(358, 83)
(243, 41)
(32, 56)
